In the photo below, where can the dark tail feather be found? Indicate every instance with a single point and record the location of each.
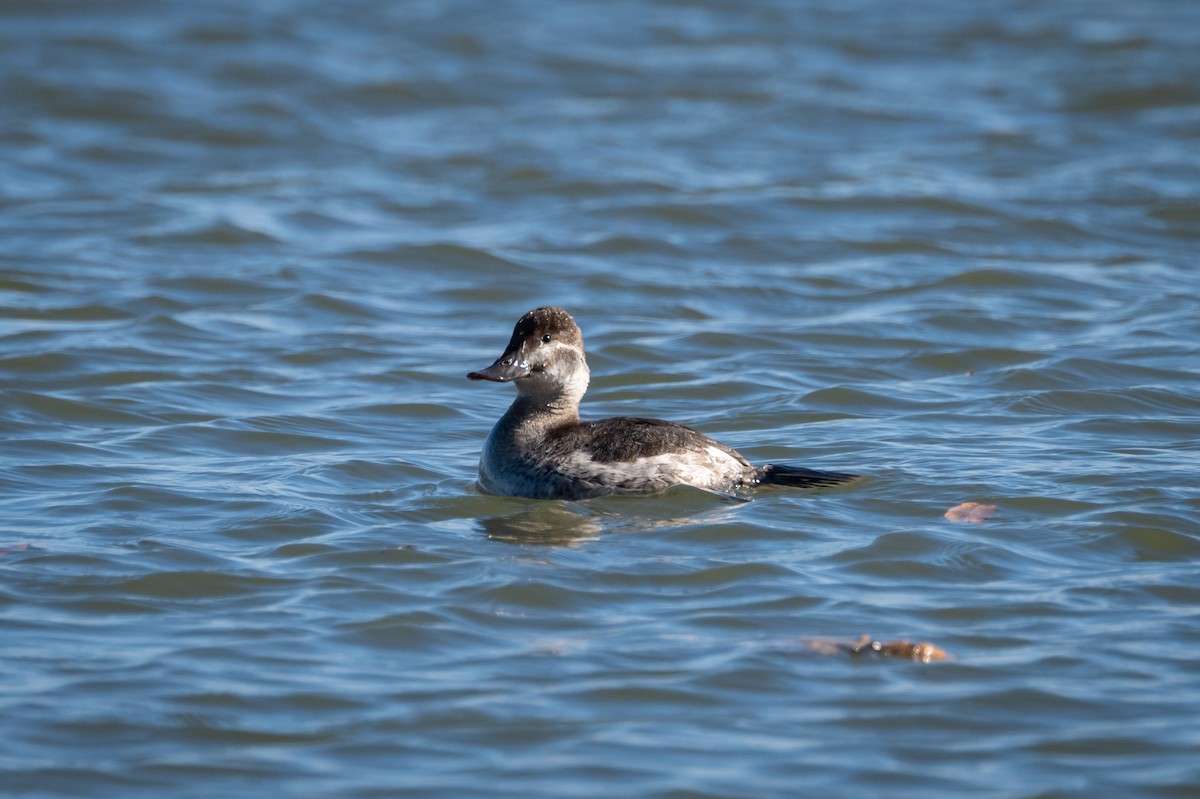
(799, 477)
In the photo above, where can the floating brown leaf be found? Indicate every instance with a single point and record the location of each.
(971, 512)
(921, 652)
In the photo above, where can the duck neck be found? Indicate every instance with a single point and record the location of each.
(544, 410)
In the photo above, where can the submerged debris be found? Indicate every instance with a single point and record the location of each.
(921, 652)
(972, 512)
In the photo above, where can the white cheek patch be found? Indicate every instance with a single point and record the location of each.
(560, 358)
(563, 369)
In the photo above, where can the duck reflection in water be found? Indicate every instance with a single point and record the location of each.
(567, 523)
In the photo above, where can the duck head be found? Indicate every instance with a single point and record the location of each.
(545, 356)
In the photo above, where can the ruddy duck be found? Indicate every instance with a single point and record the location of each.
(542, 450)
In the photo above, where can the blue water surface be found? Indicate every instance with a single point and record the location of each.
(251, 251)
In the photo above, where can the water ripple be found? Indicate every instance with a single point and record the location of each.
(251, 251)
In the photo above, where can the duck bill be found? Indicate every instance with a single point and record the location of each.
(509, 366)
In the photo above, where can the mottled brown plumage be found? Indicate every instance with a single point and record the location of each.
(542, 450)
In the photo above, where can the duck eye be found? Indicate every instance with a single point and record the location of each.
(546, 339)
